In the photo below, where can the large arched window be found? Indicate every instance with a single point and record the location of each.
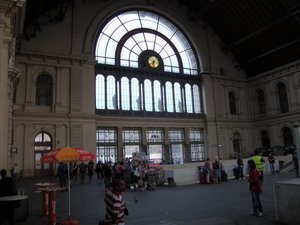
(288, 138)
(261, 101)
(43, 94)
(232, 103)
(145, 63)
(283, 98)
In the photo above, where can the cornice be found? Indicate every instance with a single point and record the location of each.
(277, 73)
(10, 7)
(51, 59)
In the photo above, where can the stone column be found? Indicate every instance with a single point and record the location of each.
(297, 139)
(8, 9)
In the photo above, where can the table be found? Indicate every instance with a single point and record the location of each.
(45, 196)
(16, 213)
(51, 202)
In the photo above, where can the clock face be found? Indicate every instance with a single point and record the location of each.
(153, 61)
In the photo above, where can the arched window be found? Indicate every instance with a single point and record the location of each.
(236, 142)
(42, 145)
(44, 86)
(159, 56)
(288, 138)
(283, 98)
(265, 139)
(232, 103)
(261, 101)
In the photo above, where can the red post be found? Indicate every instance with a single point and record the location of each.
(52, 211)
(45, 203)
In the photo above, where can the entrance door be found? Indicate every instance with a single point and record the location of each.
(42, 145)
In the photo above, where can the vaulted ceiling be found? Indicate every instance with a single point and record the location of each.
(260, 34)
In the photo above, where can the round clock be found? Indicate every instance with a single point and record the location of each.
(153, 61)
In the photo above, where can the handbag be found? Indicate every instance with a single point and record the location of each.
(136, 172)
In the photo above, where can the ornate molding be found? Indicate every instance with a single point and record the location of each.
(10, 7)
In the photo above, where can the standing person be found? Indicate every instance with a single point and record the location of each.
(240, 164)
(99, 170)
(7, 188)
(16, 172)
(217, 171)
(208, 169)
(271, 160)
(259, 163)
(255, 188)
(115, 205)
(296, 163)
(82, 171)
(62, 173)
(90, 170)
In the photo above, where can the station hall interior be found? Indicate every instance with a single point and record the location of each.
(175, 81)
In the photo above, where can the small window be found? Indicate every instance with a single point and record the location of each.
(44, 85)
(265, 139)
(288, 138)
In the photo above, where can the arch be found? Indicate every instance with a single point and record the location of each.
(232, 102)
(44, 90)
(283, 97)
(147, 31)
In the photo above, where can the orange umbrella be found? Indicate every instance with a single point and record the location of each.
(67, 154)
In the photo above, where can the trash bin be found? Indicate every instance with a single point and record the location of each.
(201, 175)
(236, 173)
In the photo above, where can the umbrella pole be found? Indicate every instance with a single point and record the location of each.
(69, 191)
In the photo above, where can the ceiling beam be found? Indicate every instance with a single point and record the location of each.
(262, 29)
(269, 52)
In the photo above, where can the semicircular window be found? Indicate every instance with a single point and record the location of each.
(129, 34)
(146, 64)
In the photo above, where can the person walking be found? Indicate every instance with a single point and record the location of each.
(207, 170)
(240, 164)
(259, 163)
(296, 163)
(255, 189)
(271, 160)
(7, 188)
(115, 204)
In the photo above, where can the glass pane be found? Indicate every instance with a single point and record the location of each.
(157, 97)
(37, 157)
(148, 95)
(197, 152)
(177, 153)
(135, 94)
(178, 99)
(106, 153)
(131, 136)
(188, 98)
(176, 135)
(169, 97)
(155, 153)
(154, 136)
(125, 93)
(111, 93)
(197, 105)
(100, 92)
(130, 149)
(106, 135)
(195, 134)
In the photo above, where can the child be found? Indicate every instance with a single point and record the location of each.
(255, 188)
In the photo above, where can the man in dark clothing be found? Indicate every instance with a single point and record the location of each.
(7, 188)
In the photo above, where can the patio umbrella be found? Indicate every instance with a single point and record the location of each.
(67, 154)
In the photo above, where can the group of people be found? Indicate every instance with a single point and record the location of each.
(214, 170)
